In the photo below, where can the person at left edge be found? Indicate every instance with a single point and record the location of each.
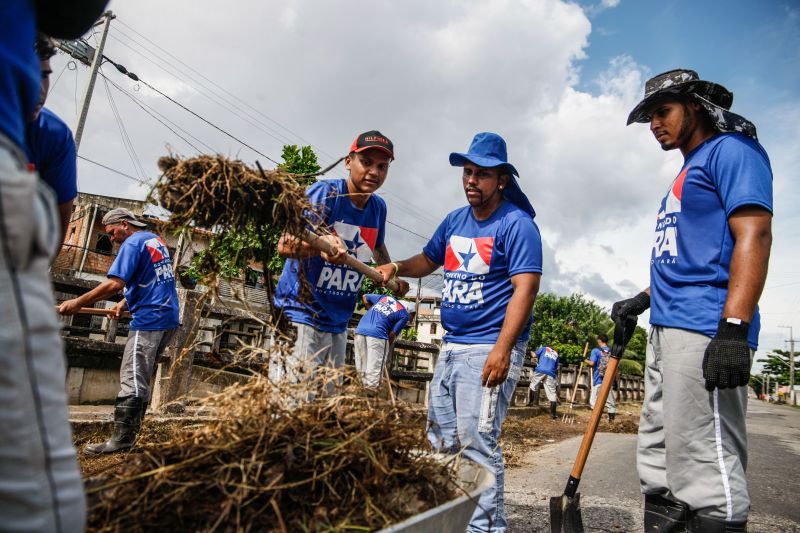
(144, 268)
(49, 143)
(491, 252)
(356, 219)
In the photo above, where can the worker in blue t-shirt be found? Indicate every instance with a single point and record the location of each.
(40, 483)
(143, 267)
(708, 266)
(598, 360)
(547, 360)
(355, 220)
(49, 143)
(491, 252)
(378, 328)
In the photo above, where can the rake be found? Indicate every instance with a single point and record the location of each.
(569, 415)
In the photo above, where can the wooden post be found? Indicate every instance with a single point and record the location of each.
(111, 332)
(175, 371)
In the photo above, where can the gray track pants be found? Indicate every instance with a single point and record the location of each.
(692, 443)
(312, 349)
(139, 361)
(611, 405)
(40, 486)
(549, 385)
(370, 358)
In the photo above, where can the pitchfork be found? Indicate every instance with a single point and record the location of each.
(569, 416)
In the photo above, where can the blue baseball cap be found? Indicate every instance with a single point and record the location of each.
(488, 150)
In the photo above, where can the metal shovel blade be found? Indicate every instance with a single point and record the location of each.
(565, 514)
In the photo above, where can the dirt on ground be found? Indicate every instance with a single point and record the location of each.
(93, 465)
(523, 433)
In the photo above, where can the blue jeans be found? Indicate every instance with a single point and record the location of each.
(465, 417)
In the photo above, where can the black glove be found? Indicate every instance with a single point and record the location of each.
(623, 331)
(631, 307)
(726, 363)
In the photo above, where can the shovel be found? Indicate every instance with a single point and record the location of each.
(569, 416)
(565, 510)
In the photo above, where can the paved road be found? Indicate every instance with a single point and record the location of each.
(610, 497)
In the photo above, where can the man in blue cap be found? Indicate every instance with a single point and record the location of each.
(708, 266)
(491, 252)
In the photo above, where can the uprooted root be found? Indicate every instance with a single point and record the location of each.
(270, 464)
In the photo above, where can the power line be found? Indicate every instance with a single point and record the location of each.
(115, 171)
(152, 112)
(126, 140)
(298, 136)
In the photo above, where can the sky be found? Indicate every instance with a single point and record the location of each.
(556, 79)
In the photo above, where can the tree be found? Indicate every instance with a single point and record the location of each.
(776, 365)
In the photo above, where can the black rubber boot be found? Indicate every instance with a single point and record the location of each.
(553, 406)
(531, 397)
(664, 515)
(128, 413)
(704, 524)
(611, 416)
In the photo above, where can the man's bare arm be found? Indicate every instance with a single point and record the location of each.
(381, 255)
(752, 230)
(108, 288)
(417, 266)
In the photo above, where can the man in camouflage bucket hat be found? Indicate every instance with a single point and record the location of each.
(707, 270)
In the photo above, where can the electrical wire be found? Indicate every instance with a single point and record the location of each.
(115, 171)
(243, 102)
(126, 140)
(155, 114)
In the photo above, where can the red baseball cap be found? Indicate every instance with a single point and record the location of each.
(372, 139)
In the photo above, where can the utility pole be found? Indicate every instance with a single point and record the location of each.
(97, 60)
(791, 364)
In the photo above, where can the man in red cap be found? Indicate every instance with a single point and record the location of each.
(356, 221)
(707, 270)
(491, 252)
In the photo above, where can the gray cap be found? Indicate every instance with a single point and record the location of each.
(120, 214)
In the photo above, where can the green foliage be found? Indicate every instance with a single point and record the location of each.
(567, 320)
(776, 365)
(630, 367)
(569, 353)
(409, 334)
(230, 253)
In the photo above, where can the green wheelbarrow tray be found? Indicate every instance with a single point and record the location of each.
(454, 515)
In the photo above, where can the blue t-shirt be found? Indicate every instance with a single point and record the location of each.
(548, 361)
(334, 288)
(691, 258)
(479, 258)
(20, 75)
(144, 265)
(51, 149)
(385, 315)
(595, 357)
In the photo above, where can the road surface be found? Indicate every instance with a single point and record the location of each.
(610, 497)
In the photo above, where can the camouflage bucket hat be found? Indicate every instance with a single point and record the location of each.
(714, 98)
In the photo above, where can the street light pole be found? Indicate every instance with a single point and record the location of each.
(791, 364)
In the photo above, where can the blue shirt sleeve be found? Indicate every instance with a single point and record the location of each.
(595, 355)
(540, 351)
(322, 196)
(742, 174)
(373, 298)
(436, 247)
(400, 322)
(124, 266)
(523, 245)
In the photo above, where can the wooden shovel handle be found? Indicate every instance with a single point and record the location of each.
(100, 312)
(322, 245)
(594, 420)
